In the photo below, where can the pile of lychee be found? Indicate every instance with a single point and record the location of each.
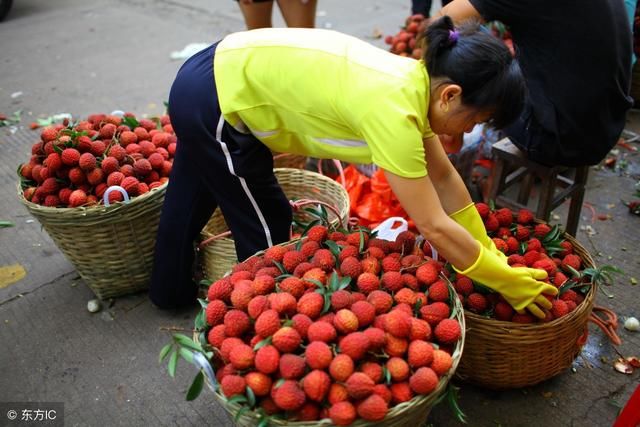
(526, 243)
(73, 164)
(337, 325)
(407, 41)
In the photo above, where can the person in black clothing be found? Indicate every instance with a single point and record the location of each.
(576, 59)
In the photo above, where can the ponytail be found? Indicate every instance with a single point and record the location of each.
(480, 64)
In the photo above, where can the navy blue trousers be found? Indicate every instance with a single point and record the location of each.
(215, 166)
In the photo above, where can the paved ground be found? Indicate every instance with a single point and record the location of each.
(82, 57)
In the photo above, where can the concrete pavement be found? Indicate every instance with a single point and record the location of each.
(78, 57)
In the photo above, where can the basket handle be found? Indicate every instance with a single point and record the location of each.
(110, 190)
(214, 238)
(338, 164)
(294, 206)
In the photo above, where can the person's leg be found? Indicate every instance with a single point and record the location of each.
(298, 13)
(421, 6)
(257, 14)
(188, 203)
(187, 207)
(253, 204)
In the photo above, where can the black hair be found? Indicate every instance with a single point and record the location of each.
(480, 64)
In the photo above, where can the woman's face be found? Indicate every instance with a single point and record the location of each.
(448, 116)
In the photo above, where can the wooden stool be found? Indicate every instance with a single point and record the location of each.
(509, 157)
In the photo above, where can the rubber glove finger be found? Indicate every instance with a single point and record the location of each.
(521, 311)
(537, 273)
(535, 310)
(543, 302)
(549, 290)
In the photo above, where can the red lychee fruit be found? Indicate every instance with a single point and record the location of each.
(559, 308)
(311, 304)
(438, 291)
(232, 385)
(267, 359)
(267, 323)
(342, 413)
(215, 312)
(345, 321)
(340, 299)
(323, 258)
(398, 323)
(423, 381)
(420, 353)
(442, 362)
(434, 313)
(376, 336)
(447, 331)
(381, 301)
(359, 385)
(427, 274)
(354, 345)
(258, 382)
(503, 311)
(483, 209)
(317, 233)
(477, 303)
(367, 283)
(351, 267)
(318, 355)
(316, 385)
(242, 356)
(286, 339)
(289, 396)
(401, 392)
(398, 369)
(292, 366)
(236, 323)
(573, 261)
(373, 408)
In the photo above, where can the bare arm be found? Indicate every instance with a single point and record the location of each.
(445, 178)
(419, 198)
(459, 11)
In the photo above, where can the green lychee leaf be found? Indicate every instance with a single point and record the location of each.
(200, 322)
(130, 121)
(334, 248)
(251, 397)
(280, 267)
(279, 383)
(387, 375)
(238, 398)
(327, 303)
(203, 302)
(164, 352)
(196, 387)
(308, 226)
(361, 245)
(334, 282)
(184, 341)
(262, 343)
(240, 411)
(205, 283)
(316, 282)
(173, 362)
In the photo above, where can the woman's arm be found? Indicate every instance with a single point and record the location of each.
(452, 192)
(420, 200)
(459, 11)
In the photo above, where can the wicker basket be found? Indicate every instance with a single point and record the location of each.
(413, 413)
(218, 256)
(635, 83)
(503, 355)
(111, 247)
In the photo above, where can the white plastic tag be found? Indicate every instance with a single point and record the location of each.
(389, 230)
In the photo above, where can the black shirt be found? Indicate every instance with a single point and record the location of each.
(576, 58)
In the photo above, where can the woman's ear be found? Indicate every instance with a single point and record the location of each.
(450, 96)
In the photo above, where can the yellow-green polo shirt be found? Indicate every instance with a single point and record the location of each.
(327, 95)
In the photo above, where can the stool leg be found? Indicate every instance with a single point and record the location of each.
(525, 189)
(547, 189)
(498, 175)
(573, 217)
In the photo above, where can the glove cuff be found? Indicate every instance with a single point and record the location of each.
(469, 270)
(462, 212)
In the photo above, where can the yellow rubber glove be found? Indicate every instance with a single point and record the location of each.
(521, 287)
(469, 218)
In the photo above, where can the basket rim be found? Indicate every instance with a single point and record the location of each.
(555, 322)
(87, 210)
(205, 234)
(398, 410)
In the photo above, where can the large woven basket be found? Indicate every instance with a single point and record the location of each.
(413, 413)
(111, 247)
(503, 355)
(218, 256)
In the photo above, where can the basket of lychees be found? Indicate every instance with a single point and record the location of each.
(337, 328)
(217, 248)
(97, 188)
(506, 349)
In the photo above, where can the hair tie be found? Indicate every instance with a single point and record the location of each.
(453, 36)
